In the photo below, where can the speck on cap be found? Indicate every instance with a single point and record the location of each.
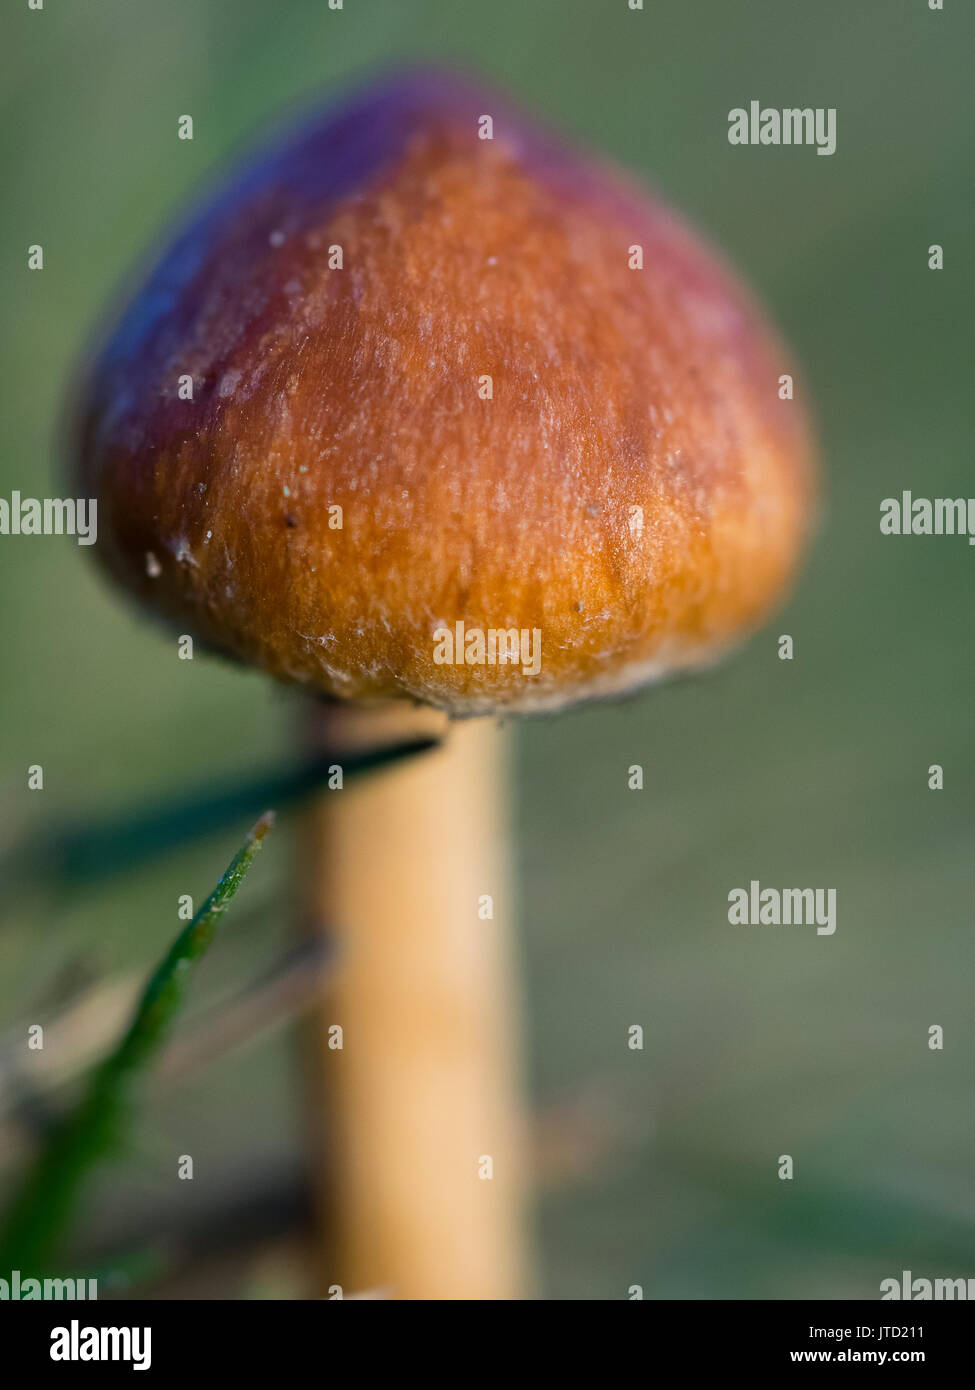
(627, 482)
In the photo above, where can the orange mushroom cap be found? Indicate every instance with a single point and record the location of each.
(431, 386)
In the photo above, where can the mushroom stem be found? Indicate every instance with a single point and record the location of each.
(419, 1167)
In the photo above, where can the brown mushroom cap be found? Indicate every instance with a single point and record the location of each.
(634, 488)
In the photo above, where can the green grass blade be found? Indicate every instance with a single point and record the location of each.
(88, 853)
(46, 1201)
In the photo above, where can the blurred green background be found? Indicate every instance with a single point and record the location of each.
(658, 1167)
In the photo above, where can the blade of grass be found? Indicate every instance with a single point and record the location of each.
(45, 1203)
(83, 1033)
(88, 853)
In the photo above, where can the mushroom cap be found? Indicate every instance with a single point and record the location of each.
(429, 387)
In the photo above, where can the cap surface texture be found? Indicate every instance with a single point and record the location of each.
(429, 388)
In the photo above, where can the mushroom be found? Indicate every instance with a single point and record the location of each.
(440, 421)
